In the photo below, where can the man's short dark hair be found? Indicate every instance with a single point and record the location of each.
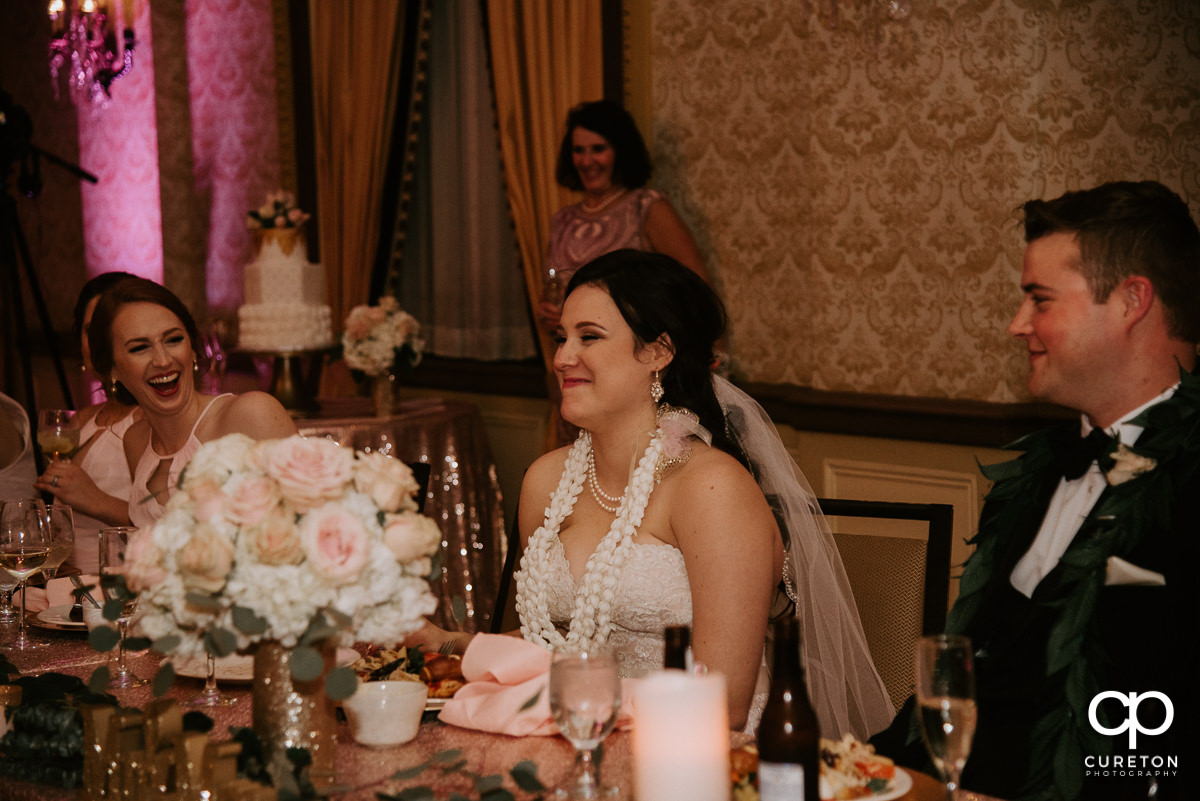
(1129, 228)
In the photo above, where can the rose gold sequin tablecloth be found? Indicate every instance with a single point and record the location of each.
(362, 772)
(463, 497)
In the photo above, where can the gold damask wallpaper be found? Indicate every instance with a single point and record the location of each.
(851, 167)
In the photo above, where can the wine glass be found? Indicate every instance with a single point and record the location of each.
(57, 435)
(585, 698)
(60, 520)
(946, 698)
(24, 548)
(119, 602)
(210, 695)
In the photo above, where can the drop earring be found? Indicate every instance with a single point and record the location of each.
(656, 388)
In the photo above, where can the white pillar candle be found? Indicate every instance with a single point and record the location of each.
(681, 738)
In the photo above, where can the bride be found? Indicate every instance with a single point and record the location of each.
(653, 516)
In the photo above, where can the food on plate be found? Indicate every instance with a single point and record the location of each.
(442, 673)
(849, 770)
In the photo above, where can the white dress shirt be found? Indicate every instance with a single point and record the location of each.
(1069, 507)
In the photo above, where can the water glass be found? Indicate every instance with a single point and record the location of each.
(24, 549)
(585, 699)
(60, 521)
(946, 701)
(118, 600)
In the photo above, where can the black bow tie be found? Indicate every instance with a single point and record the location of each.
(1076, 454)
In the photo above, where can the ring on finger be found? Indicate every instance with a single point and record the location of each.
(54, 481)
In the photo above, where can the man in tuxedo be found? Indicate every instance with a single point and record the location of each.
(1079, 587)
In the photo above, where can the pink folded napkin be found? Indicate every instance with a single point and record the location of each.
(57, 592)
(503, 675)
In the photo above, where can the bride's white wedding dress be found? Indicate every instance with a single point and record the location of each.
(652, 593)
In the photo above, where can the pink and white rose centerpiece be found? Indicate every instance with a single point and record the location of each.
(375, 337)
(265, 539)
(279, 211)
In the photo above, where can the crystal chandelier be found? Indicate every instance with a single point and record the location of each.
(82, 41)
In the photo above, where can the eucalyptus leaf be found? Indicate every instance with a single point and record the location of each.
(497, 794)
(167, 644)
(411, 773)
(533, 699)
(435, 570)
(137, 643)
(458, 607)
(98, 682)
(524, 773)
(203, 601)
(306, 663)
(340, 619)
(449, 755)
(341, 683)
(485, 784)
(246, 621)
(164, 679)
(112, 609)
(220, 642)
(103, 638)
(415, 794)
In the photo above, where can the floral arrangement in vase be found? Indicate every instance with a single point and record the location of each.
(377, 338)
(285, 541)
(280, 211)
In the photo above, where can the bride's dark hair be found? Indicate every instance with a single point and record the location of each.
(657, 295)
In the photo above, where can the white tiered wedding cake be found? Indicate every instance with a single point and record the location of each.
(285, 307)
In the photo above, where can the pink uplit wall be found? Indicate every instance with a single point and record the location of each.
(235, 136)
(122, 218)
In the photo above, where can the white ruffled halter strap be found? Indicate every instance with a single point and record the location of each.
(591, 619)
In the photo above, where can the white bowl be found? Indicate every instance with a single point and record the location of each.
(385, 713)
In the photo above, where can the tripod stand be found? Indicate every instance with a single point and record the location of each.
(15, 131)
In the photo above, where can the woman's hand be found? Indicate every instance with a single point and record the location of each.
(70, 484)
(435, 638)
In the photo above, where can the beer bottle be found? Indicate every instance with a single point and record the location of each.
(677, 650)
(788, 737)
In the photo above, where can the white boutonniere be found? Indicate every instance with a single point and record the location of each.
(1128, 465)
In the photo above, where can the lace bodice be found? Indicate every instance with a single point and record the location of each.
(652, 593)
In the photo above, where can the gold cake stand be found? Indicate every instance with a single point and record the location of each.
(295, 376)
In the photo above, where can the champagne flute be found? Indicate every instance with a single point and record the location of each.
(57, 435)
(24, 548)
(60, 520)
(585, 698)
(946, 699)
(119, 602)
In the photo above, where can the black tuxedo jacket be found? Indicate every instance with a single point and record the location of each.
(1145, 639)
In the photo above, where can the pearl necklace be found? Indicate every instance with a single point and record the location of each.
(591, 616)
(609, 503)
(604, 203)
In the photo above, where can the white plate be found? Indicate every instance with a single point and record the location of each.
(59, 617)
(901, 784)
(236, 667)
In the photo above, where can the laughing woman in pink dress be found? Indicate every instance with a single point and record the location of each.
(144, 344)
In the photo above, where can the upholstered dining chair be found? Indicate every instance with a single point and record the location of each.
(901, 583)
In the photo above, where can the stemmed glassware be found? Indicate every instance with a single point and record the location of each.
(8, 612)
(57, 435)
(24, 549)
(946, 697)
(210, 695)
(60, 521)
(585, 699)
(118, 600)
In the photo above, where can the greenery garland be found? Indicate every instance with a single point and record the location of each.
(1133, 505)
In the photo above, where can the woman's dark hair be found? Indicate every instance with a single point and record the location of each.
(95, 286)
(631, 159)
(657, 295)
(122, 293)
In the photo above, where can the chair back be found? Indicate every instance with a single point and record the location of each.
(901, 584)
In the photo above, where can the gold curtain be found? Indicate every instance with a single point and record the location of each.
(356, 52)
(546, 57)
